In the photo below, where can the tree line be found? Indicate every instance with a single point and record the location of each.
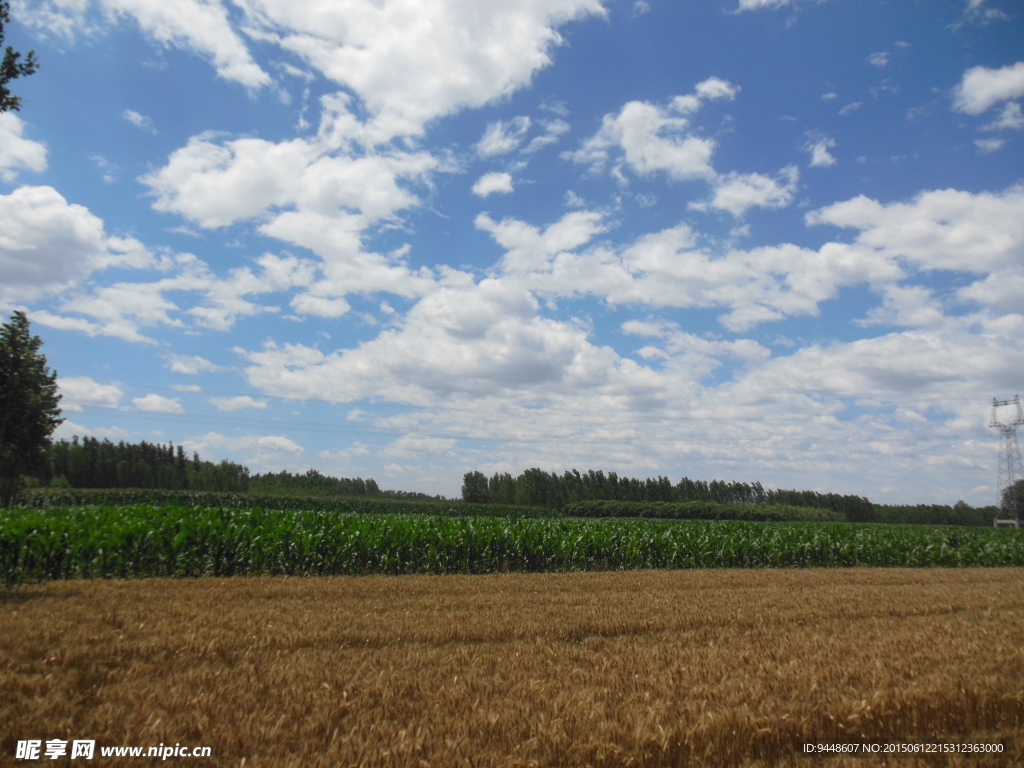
(93, 463)
(535, 487)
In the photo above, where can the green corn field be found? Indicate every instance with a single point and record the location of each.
(147, 541)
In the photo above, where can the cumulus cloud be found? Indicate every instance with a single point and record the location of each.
(976, 12)
(529, 248)
(264, 452)
(651, 138)
(738, 192)
(818, 147)
(139, 121)
(465, 338)
(190, 364)
(215, 183)
(319, 306)
(201, 26)
(237, 402)
(158, 404)
(553, 131)
(317, 193)
(654, 138)
(989, 145)
(410, 63)
(17, 152)
(79, 391)
(981, 88)
(940, 229)
(492, 182)
(417, 446)
(502, 137)
(122, 308)
(879, 59)
(48, 245)
(1010, 119)
(756, 5)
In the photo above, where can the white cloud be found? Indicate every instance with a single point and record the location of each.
(412, 62)
(940, 229)
(306, 194)
(122, 307)
(981, 88)
(989, 145)
(975, 12)
(716, 89)
(654, 138)
(492, 182)
(17, 152)
(319, 306)
(190, 364)
(651, 139)
(69, 429)
(529, 249)
(1010, 119)
(139, 121)
(738, 192)
(756, 5)
(218, 183)
(818, 147)
(202, 26)
(851, 108)
(553, 131)
(237, 402)
(502, 137)
(158, 404)
(879, 59)
(48, 244)
(1002, 290)
(666, 269)
(79, 391)
(259, 452)
(415, 446)
(912, 306)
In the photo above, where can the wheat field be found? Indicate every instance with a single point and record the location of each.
(641, 668)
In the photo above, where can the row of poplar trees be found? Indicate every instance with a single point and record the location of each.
(535, 487)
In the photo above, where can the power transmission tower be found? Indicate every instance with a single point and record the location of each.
(1006, 417)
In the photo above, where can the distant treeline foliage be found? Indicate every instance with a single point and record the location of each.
(960, 513)
(704, 510)
(312, 483)
(92, 463)
(536, 487)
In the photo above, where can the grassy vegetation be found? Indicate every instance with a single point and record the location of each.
(703, 510)
(145, 541)
(53, 499)
(649, 668)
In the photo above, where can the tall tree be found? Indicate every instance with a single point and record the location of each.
(1013, 500)
(28, 404)
(11, 68)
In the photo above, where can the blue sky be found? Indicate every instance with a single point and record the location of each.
(749, 240)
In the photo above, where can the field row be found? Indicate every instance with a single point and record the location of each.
(145, 541)
(680, 669)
